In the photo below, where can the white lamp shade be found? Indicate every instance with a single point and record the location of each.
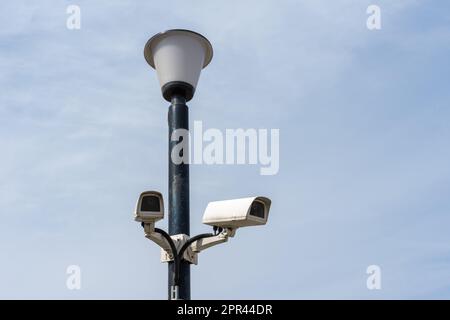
(178, 57)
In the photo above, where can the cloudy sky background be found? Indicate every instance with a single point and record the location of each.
(364, 147)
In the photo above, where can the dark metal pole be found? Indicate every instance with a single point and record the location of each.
(178, 118)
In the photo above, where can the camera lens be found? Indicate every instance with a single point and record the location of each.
(150, 203)
(257, 209)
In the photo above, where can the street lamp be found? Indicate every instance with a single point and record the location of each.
(178, 57)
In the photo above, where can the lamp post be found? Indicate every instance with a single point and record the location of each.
(178, 57)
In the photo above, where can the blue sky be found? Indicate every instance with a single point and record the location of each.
(364, 147)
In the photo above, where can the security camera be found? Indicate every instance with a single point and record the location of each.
(237, 213)
(149, 207)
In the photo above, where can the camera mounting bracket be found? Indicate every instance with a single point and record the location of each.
(207, 242)
(191, 247)
(166, 250)
(149, 229)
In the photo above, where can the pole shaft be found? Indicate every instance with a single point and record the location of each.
(178, 118)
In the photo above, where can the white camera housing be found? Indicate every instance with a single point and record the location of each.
(237, 213)
(149, 207)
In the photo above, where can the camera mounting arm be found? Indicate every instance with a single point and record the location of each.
(163, 239)
(203, 243)
(160, 237)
